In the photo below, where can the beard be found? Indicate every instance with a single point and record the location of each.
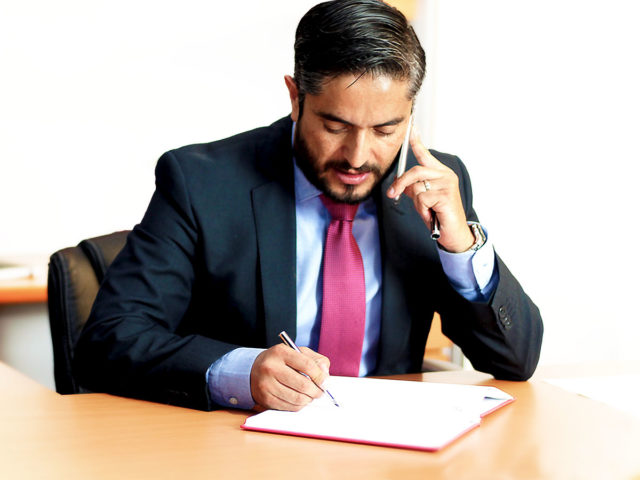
(316, 173)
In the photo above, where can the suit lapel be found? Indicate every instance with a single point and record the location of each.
(275, 221)
(395, 317)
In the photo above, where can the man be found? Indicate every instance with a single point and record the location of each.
(230, 250)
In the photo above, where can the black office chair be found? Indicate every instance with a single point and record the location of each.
(75, 274)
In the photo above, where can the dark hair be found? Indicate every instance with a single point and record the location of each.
(358, 37)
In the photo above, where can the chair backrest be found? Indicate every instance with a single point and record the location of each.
(75, 275)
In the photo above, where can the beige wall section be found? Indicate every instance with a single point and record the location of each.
(408, 7)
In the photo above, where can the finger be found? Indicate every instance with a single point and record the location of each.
(422, 153)
(412, 181)
(280, 398)
(323, 362)
(291, 390)
(423, 205)
(298, 383)
(435, 168)
(285, 390)
(273, 381)
(309, 363)
(297, 370)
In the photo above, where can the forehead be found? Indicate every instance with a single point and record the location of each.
(362, 100)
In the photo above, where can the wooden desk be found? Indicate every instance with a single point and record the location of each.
(546, 434)
(24, 290)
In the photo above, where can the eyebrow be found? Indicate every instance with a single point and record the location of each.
(334, 118)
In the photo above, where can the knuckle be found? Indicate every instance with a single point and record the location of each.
(308, 364)
(280, 349)
(422, 207)
(323, 364)
(267, 367)
(300, 399)
(319, 378)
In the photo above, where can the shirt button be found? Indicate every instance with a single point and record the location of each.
(233, 401)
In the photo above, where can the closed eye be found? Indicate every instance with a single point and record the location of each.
(384, 133)
(335, 129)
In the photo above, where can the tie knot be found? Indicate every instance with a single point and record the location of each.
(340, 211)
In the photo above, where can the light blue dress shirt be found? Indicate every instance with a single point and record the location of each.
(471, 273)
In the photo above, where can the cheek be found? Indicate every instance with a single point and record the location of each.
(386, 153)
(325, 148)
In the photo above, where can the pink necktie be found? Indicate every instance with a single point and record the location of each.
(343, 293)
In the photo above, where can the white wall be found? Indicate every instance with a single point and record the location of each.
(94, 92)
(25, 341)
(539, 98)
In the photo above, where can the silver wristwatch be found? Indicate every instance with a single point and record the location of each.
(479, 235)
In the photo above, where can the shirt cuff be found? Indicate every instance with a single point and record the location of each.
(472, 273)
(229, 378)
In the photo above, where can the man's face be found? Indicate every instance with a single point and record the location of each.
(350, 133)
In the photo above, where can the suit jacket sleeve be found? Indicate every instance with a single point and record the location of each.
(138, 341)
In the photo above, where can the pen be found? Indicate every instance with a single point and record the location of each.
(435, 226)
(287, 341)
(402, 166)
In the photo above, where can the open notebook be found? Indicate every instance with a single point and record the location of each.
(417, 415)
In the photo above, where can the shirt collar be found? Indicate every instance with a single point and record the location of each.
(303, 187)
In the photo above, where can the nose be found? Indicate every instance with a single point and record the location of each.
(355, 148)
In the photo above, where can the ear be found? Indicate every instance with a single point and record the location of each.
(293, 96)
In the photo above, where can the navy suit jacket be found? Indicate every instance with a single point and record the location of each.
(212, 266)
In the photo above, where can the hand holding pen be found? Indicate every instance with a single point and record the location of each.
(434, 189)
(287, 341)
(285, 379)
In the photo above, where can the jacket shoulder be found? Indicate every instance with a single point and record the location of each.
(451, 161)
(238, 145)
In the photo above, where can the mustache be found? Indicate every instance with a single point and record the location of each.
(346, 166)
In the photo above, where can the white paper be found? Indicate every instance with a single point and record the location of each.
(389, 412)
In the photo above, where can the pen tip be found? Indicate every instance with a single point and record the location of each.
(332, 398)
